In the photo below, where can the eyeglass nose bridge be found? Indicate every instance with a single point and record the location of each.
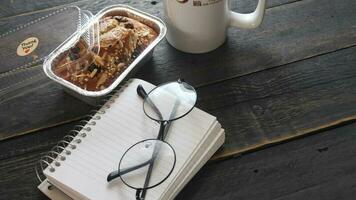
(164, 126)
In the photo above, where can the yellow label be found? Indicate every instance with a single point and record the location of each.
(27, 46)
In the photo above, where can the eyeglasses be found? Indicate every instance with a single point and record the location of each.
(150, 162)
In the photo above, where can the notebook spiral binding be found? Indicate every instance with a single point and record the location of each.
(69, 143)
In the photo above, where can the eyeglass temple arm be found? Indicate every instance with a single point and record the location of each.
(143, 94)
(141, 91)
(161, 135)
(116, 173)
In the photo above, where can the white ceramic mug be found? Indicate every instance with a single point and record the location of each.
(199, 26)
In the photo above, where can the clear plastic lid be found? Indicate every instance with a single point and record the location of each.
(33, 42)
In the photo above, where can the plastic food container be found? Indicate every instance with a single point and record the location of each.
(47, 37)
(30, 43)
(91, 35)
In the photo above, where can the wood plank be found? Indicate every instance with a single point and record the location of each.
(66, 114)
(297, 98)
(18, 157)
(45, 95)
(247, 122)
(27, 12)
(318, 167)
(247, 6)
(304, 90)
(283, 102)
(10, 8)
(35, 103)
(288, 33)
(38, 142)
(16, 7)
(65, 117)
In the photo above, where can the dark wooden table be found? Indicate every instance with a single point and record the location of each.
(285, 93)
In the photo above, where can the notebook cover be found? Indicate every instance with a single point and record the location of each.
(114, 112)
(56, 194)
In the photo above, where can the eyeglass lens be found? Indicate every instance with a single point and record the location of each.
(170, 101)
(145, 153)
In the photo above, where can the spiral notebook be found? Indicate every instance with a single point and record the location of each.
(79, 170)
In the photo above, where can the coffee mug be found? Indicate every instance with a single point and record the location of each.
(199, 26)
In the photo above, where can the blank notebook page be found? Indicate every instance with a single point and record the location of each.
(122, 125)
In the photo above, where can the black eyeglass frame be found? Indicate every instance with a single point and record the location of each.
(150, 187)
(152, 104)
(164, 127)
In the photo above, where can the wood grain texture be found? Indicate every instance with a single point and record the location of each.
(249, 85)
(27, 12)
(317, 167)
(45, 95)
(35, 102)
(10, 8)
(50, 96)
(17, 161)
(288, 33)
(247, 6)
(283, 102)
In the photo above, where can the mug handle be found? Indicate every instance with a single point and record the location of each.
(250, 20)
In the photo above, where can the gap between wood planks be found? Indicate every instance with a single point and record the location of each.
(303, 133)
(334, 125)
(320, 127)
(292, 62)
(207, 83)
(42, 128)
(271, 68)
(267, 69)
(291, 2)
(4, 74)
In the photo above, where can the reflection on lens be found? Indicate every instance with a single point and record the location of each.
(170, 101)
(151, 158)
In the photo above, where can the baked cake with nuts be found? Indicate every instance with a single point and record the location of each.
(122, 39)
